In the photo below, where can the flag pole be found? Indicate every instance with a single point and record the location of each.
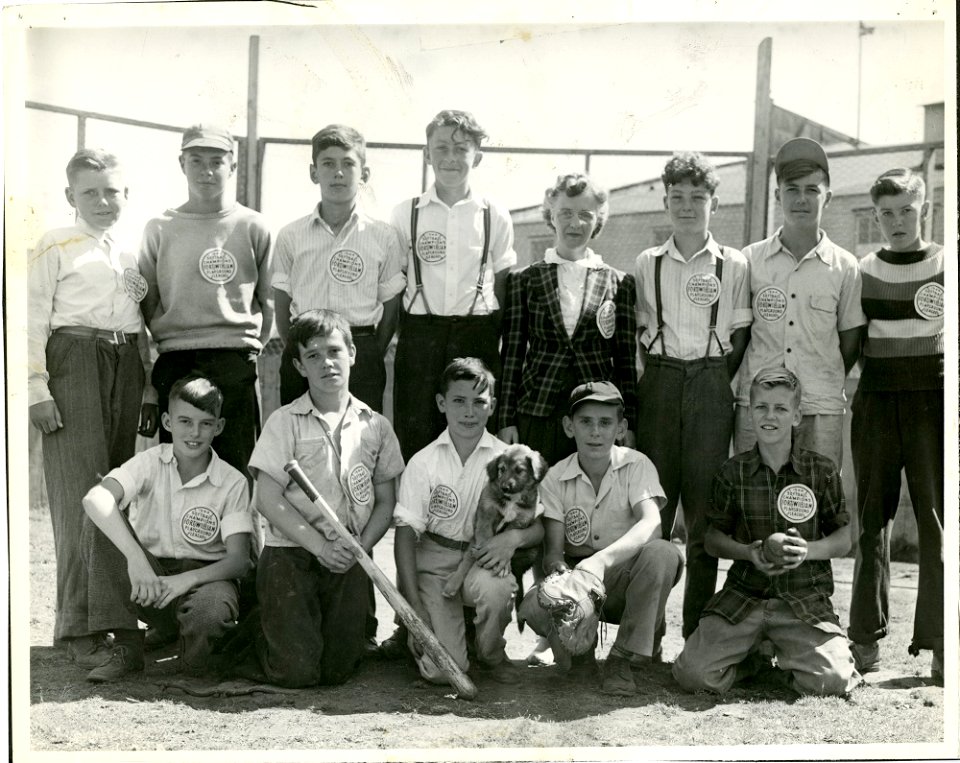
(859, 75)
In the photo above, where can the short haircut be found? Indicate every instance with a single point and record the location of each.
(95, 159)
(572, 185)
(799, 168)
(692, 166)
(896, 181)
(311, 323)
(768, 378)
(340, 136)
(199, 392)
(467, 369)
(463, 121)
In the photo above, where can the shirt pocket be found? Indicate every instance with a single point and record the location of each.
(311, 454)
(823, 313)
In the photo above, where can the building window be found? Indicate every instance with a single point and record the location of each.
(539, 246)
(868, 231)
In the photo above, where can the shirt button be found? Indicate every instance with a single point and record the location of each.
(793, 296)
(788, 349)
(596, 537)
(790, 323)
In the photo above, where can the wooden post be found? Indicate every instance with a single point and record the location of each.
(759, 175)
(81, 133)
(252, 195)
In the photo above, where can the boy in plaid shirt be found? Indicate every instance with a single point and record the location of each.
(779, 513)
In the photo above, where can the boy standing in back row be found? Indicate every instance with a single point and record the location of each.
(339, 258)
(806, 304)
(208, 303)
(460, 249)
(898, 419)
(693, 301)
(86, 354)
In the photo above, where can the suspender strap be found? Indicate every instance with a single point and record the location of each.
(414, 217)
(714, 308)
(483, 260)
(657, 267)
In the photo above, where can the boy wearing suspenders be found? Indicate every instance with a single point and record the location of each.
(460, 250)
(693, 305)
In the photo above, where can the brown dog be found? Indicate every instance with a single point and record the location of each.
(508, 501)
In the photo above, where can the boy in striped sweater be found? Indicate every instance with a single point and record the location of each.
(898, 418)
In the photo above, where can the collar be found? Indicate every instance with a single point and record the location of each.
(303, 406)
(430, 197)
(669, 247)
(100, 235)
(753, 460)
(316, 219)
(823, 249)
(485, 442)
(590, 259)
(213, 472)
(570, 469)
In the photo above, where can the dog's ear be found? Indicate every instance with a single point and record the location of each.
(493, 469)
(538, 466)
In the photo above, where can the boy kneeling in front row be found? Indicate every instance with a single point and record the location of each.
(601, 509)
(173, 560)
(779, 513)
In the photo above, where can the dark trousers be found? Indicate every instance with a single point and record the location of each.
(426, 345)
(685, 420)
(98, 388)
(202, 616)
(891, 431)
(311, 619)
(545, 434)
(368, 377)
(235, 373)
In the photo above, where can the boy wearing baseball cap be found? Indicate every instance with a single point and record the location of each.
(806, 304)
(87, 357)
(693, 303)
(778, 511)
(168, 539)
(898, 418)
(602, 514)
(208, 303)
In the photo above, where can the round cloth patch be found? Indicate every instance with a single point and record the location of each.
(576, 526)
(770, 303)
(702, 289)
(346, 266)
(200, 525)
(432, 246)
(607, 318)
(928, 301)
(359, 483)
(218, 265)
(443, 502)
(796, 503)
(134, 284)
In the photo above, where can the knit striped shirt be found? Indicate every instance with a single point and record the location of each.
(903, 301)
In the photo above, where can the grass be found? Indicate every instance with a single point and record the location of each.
(387, 707)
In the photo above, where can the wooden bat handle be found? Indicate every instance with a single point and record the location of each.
(431, 646)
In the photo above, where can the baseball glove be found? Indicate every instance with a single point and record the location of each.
(574, 599)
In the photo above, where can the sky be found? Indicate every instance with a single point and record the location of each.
(613, 83)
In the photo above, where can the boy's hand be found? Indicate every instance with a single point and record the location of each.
(794, 549)
(593, 565)
(496, 553)
(149, 418)
(146, 587)
(45, 416)
(174, 586)
(765, 566)
(509, 435)
(336, 557)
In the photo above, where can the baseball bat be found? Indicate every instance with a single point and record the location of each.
(431, 646)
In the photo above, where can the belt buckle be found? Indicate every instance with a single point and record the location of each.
(119, 337)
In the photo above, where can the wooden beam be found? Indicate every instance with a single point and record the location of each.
(759, 176)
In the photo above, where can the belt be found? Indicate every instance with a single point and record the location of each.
(665, 360)
(363, 330)
(113, 337)
(456, 545)
(447, 320)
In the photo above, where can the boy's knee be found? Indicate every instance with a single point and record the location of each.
(659, 557)
(692, 677)
(488, 590)
(829, 683)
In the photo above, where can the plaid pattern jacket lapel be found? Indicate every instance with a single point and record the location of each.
(541, 363)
